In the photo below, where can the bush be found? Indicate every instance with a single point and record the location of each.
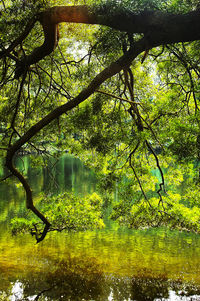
(65, 212)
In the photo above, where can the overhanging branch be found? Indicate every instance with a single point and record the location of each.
(159, 27)
(108, 72)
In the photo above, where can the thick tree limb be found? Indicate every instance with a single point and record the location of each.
(159, 27)
(165, 27)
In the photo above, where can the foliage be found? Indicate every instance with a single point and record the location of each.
(65, 212)
(170, 213)
(139, 131)
(21, 225)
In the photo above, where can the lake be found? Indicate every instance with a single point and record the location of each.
(114, 263)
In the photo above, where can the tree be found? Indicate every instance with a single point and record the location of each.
(160, 35)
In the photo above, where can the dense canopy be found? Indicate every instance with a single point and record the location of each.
(115, 83)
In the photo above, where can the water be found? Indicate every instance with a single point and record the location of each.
(110, 264)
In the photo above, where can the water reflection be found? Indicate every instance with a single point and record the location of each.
(110, 264)
(67, 173)
(77, 288)
(99, 266)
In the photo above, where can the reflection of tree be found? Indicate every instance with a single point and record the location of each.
(41, 294)
(71, 280)
(144, 289)
(186, 289)
(79, 281)
(59, 175)
(150, 288)
(66, 174)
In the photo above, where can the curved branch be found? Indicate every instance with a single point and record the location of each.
(170, 27)
(50, 42)
(29, 197)
(20, 39)
(159, 27)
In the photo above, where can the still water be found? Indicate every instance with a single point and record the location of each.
(110, 264)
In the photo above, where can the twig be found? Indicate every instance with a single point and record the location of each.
(6, 177)
(162, 184)
(117, 97)
(18, 101)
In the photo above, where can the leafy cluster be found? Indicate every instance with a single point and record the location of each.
(65, 212)
(170, 213)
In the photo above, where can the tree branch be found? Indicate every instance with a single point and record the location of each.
(159, 27)
(108, 72)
